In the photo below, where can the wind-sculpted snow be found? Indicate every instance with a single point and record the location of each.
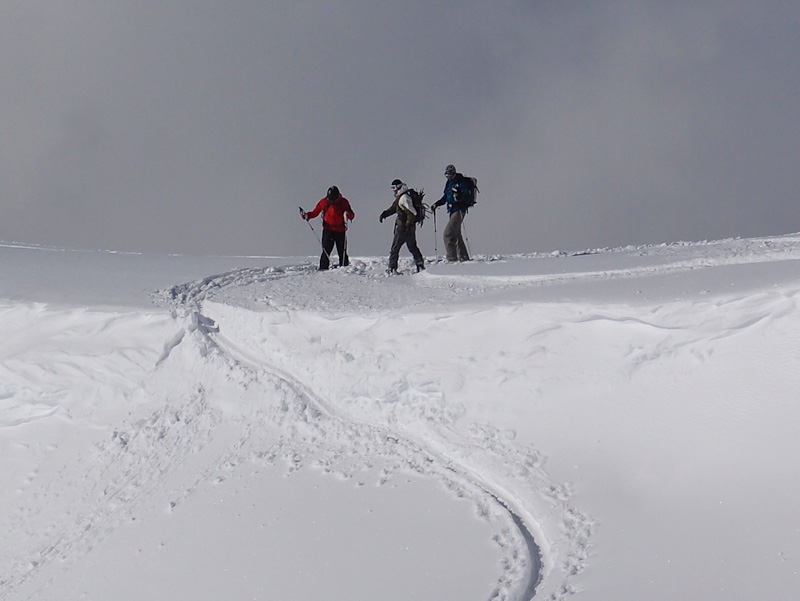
(630, 411)
(68, 358)
(68, 365)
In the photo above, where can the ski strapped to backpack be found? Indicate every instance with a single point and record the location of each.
(419, 207)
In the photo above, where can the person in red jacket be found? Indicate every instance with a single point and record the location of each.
(335, 209)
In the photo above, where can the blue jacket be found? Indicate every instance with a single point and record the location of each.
(458, 194)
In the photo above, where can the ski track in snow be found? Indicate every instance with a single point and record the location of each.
(369, 440)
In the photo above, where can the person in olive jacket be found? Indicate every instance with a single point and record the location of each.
(405, 226)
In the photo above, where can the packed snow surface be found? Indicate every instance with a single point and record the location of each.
(606, 424)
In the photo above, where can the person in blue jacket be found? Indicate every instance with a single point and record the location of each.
(459, 195)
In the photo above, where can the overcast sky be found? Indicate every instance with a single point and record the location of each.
(200, 127)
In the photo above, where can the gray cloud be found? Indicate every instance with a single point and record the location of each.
(200, 126)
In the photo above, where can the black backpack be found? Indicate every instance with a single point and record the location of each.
(419, 206)
(468, 192)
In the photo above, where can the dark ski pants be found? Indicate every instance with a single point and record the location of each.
(454, 244)
(405, 234)
(329, 239)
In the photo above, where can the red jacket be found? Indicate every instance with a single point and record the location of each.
(333, 213)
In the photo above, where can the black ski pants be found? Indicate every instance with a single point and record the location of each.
(329, 239)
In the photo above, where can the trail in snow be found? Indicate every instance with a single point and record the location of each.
(410, 453)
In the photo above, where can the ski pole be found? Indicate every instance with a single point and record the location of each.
(435, 236)
(303, 213)
(345, 259)
(466, 238)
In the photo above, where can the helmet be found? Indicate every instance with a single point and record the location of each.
(333, 193)
(396, 184)
(450, 170)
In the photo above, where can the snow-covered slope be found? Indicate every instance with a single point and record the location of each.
(615, 423)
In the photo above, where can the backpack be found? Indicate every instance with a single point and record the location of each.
(468, 194)
(419, 206)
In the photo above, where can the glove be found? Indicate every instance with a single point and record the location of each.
(383, 216)
(303, 215)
